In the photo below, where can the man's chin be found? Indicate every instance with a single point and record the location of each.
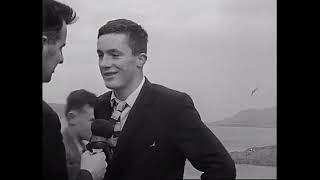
(46, 77)
(110, 85)
(46, 80)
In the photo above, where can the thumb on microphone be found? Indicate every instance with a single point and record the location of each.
(94, 163)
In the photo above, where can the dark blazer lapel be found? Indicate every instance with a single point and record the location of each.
(104, 107)
(135, 119)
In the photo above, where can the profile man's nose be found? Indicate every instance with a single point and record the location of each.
(61, 60)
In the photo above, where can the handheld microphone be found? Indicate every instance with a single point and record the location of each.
(101, 130)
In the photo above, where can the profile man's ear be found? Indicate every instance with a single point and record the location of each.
(44, 39)
(142, 57)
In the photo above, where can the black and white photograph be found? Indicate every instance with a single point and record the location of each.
(159, 89)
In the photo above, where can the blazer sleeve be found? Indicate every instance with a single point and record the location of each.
(84, 175)
(54, 157)
(53, 148)
(201, 147)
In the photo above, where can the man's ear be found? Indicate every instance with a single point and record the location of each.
(142, 58)
(44, 40)
(71, 117)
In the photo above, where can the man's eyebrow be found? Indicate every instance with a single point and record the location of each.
(113, 51)
(63, 45)
(109, 51)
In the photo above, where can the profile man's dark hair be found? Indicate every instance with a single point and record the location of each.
(77, 99)
(53, 15)
(137, 36)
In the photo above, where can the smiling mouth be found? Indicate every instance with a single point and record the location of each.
(108, 74)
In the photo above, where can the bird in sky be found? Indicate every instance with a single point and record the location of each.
(252, 92)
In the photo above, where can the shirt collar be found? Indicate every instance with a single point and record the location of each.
(132, 97)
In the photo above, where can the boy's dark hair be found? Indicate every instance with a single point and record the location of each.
(53, 15)
(79, 98)
(137, 36)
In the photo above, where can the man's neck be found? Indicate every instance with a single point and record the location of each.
(122, 94)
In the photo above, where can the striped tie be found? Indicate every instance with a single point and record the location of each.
(118, 107)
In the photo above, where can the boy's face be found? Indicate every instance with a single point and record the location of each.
(118, 66)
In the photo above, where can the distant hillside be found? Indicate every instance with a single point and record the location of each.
(259, 156)
(266, 118)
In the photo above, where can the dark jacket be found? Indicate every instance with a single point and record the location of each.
(53, 150)
(163, 128)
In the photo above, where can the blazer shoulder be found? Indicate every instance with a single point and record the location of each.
(49, 117)
(169, 94)
(103, 97)
(101, 105)
(46, 108)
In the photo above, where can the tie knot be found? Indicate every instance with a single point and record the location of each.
(119, 105)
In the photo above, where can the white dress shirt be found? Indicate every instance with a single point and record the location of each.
(130, 101)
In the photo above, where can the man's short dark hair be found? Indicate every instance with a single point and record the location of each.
(53, 15)
(77, 99)
(138, 37)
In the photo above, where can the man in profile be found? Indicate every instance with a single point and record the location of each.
(56, 16)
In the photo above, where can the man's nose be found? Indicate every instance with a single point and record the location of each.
(106, 61)
(61, 60)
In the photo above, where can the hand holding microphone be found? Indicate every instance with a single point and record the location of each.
(98, 154)
(102, 131)
(94, 163)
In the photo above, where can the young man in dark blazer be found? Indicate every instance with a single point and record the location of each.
(56, 16)
(156, 128)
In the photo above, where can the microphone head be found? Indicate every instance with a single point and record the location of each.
(102, 128)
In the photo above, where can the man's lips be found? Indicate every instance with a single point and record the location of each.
(107, 74)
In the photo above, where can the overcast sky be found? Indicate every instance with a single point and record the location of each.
(217, 51)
